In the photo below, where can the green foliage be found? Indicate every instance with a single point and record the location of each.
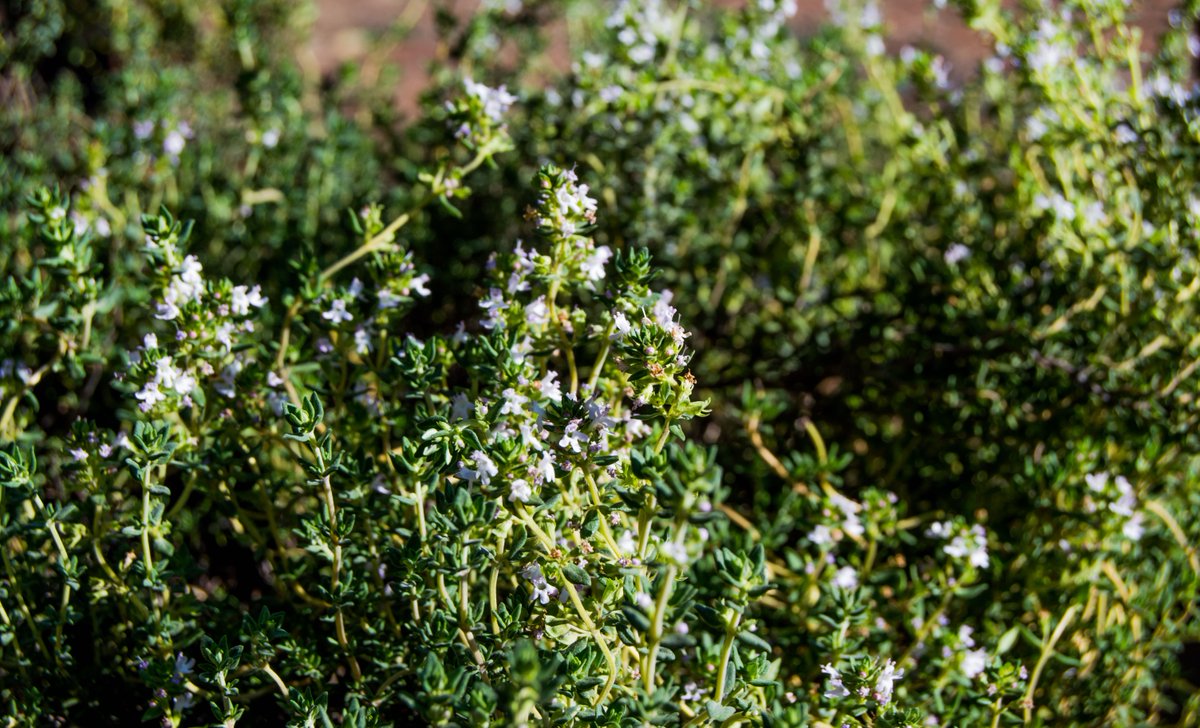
(807, 388)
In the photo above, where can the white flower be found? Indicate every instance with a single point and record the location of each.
(573, 199)
(387, 299)
(188, 283)
(276, 400)
(173, 144)
(692, 692)
(529, 438)
(1096, 481)
(820, 535)
(836, 688)
(964, 635)
(166, 311)
(956, 253)
(362, 341)
(484, 469)
(494, 305)
(612, 93)
(542, 591)
(239, 301)
(1035, 127)
(871, 16)
(80, 222)
(572, 438)
(270, 138)
(643, 53)
(846, 578)
(974, 662)
(150, 396)
(598, 413)
(678, 334)
(1125, 504)
(228, 379)
(243, 298)
(186, 286)
(79, 454)
(185, 383)
(593, 266)
(165, 372)
(664, 313)
(1047, 53)
(224, 334)
(1061, 207)
(337, 312)
(938, 529)
(496, 101)
(674, 551)
(941, 72)
(844, 504)
(886, 682)
(550, 387)
(971, 545)
(851, 523)
(621, 326)
(627, 543)
(537, 313)
(514, 402)
(520, 491)
(545, 467)
(419, 284)
(875, 45)
(1133, 528)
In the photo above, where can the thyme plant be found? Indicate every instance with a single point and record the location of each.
(723, 377)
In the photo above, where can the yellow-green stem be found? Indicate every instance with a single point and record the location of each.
(548, 545)
(656, 628)
(338, 617)
(283, 688)
(726, 651)
(1047, 650)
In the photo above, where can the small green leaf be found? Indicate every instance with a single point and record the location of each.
(718, 712)
(576, 575)
(754, 642)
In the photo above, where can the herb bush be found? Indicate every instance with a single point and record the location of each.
(795, 384)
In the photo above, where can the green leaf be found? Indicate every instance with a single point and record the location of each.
(718, 712)
(754, 642)
(639, 621)
(1007, 640)
(576, 575)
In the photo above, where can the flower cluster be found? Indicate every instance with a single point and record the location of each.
(1119, 497)
(208, 318)
(640, 28)
(963, 542)
(867, 680)
(477, 117)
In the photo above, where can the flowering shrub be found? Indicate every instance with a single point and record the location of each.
(809, 386)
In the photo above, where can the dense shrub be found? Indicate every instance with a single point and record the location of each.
(794, 384)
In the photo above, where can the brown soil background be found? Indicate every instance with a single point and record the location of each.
(344, 28)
